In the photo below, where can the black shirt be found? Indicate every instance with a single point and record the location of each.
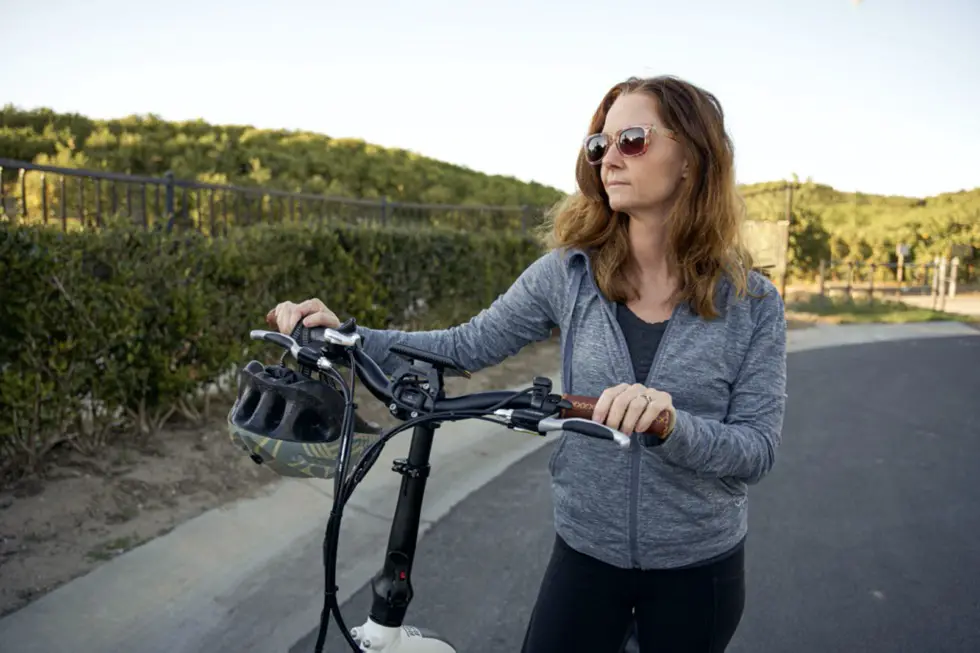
(642, 338)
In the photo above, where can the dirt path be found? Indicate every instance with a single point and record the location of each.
(85, 511)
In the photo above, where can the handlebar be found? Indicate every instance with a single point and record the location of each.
(582, 406)
(522, 411)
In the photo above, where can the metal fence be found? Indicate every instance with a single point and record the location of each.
(84, 199)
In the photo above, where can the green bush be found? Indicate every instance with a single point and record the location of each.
(107, 334)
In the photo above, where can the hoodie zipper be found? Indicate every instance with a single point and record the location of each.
(635, 453)
(624, 355)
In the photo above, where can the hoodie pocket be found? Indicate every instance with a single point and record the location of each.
(732, 486)
(554, 461)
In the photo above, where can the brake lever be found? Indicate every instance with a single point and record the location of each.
(304, 355)
(281, 339)
(585, 427)
(519, 420)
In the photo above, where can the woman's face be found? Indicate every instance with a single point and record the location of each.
(639, 184)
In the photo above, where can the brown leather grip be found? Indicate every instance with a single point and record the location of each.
(583, 406)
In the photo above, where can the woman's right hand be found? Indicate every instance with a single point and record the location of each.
(312, 312)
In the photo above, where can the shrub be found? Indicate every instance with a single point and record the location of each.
(108, 334)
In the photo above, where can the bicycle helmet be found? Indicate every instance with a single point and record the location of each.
(291, 422)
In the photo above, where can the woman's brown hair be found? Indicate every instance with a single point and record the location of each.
(705, 222)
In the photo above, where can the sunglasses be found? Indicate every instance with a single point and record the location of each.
(631, 141)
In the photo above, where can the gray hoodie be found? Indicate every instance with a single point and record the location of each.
(665, 506)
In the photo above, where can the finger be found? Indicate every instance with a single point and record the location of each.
(295, 315)
(270, 317)
(280, 310)
(660, 403)
(636, 409)
(650, 412)
(619, 405)
(288, 319)
(321, 318)
(605, 400)
(313, 305)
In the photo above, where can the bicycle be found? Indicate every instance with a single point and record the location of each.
(415, 395)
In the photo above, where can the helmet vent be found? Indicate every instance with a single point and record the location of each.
(249, 403)
(308, 426)
(273, 416)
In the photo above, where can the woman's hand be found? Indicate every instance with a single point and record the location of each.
(312, 312)
(632, 408)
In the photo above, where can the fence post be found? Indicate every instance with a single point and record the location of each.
(935, 281)
(63, 187)
(953, 273)
(823, 276)
(44, 198)
(943, 263)
(98, 202)
(384, 209)
(871, 282)
(850, 277)
(168, 199)
(23, 194)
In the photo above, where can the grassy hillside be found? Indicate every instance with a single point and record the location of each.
(243, 155)
(861, 227)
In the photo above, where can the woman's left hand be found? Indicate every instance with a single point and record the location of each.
(632, 408)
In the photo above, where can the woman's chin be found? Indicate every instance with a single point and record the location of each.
(618, 198)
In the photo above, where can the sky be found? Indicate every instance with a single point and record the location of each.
(879, 96)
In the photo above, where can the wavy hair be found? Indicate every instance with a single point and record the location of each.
(704, 225)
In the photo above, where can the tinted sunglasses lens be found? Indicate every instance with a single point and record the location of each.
(595, 148)
(632, 141)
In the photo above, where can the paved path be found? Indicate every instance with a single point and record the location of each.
(247, 577)
(863, 538)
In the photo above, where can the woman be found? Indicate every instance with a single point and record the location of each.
(659, 310)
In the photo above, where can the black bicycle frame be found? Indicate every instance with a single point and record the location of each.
(392, 585)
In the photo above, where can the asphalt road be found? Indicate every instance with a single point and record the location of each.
(863, 538)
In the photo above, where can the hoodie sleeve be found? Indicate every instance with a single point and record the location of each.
(525, 313)
(744, 444)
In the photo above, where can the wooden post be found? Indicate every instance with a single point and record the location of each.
(823, 276)
(953, 273)
(935, 281)
(871, 282)
(789, 227)
(900, 274)
(850, 278)
(942, 283)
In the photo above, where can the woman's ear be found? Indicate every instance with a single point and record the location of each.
(684, 169)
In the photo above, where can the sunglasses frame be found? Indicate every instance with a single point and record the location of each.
(648, 131)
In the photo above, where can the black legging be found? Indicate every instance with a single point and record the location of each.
(587, 605)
